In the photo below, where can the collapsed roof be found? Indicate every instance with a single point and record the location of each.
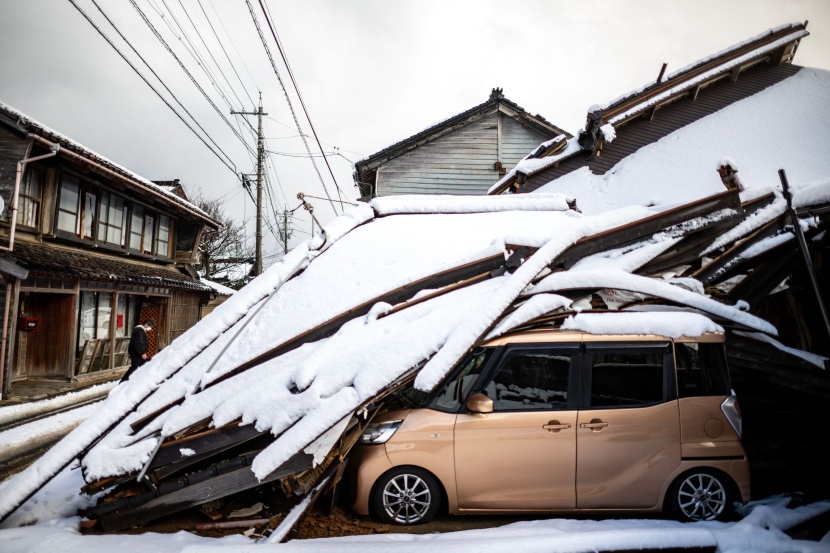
(277, 383)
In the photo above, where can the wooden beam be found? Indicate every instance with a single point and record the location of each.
(397, 295)
(713, 271)
(672, 219)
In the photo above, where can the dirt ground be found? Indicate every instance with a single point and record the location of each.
(327, 518)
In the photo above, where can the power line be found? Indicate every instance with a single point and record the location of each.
(287, 99)
(242, 59)
(222, 46)
(134, 68)
(216, 63)
(192, 49)
(162, 82)
(300, 96)
(181, 65)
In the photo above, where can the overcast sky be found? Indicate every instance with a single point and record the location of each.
(371, 72)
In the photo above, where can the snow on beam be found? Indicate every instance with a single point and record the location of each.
(598, 280)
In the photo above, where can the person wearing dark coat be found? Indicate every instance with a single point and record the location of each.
(138, 348)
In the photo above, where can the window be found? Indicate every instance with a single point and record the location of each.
(163, 238)
(103, 217)
(147, 237)
(137, 228)
(113, 220)
(628, 376)
(532, 380)
(68, 205)
(28, 203)
(76, 209)
(96, 308)
(701, 370)
(149, 232)
(456, 389)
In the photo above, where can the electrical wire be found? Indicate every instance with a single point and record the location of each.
(193, 50)
(117, 30)
(210, 53)
(230, 166)
(300, 96)
(225, 52)
(182, 36)
(288, 100)
(181, 65)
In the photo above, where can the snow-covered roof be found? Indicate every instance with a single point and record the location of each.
(218, 288)
(790, 134)
(29, 124)
(338, 320)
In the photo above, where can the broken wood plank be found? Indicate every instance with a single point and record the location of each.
(713, 271)
(214, 483)
(298, 512)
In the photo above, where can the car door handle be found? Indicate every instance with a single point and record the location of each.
(596, 425)
(555, 426)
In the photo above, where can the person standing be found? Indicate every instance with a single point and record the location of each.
(139, 347)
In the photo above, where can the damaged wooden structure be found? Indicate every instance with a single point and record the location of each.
(218, 460)
(718, 255)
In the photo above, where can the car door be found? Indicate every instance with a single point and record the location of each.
(628, 432)
(522, 455)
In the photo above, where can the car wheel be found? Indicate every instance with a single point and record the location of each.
(406, 496)
(700, 494)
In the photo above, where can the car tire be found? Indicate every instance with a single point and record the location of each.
(700, 494)
(406, 496)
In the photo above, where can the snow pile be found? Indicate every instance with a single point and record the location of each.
(671, 325)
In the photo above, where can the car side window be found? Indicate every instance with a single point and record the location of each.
(456, 389)
(701, 370)
(534, 380)
(628, 377)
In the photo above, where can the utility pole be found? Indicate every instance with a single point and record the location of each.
(260, 161)
(285, 226)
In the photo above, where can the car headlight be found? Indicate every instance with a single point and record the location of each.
(379, 432)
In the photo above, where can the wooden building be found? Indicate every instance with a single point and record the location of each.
(462, 155)
(88, 250)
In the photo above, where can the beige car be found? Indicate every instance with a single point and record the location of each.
(550, 421)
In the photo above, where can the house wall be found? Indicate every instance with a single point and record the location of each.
(461, 162)
(186, 309)
(12, 150)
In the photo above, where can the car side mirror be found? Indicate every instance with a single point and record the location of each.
(479, 403)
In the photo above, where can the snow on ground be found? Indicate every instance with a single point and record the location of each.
(34, 434)
(52, 528)
(760, 145)
(24, 410)
(45, 524)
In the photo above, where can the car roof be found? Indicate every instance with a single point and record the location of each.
(555, 335)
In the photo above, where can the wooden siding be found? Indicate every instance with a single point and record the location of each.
(461, 162)
(641, 132)
(185, 312)
(517, 140)
(47, 350)
(12, 150)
